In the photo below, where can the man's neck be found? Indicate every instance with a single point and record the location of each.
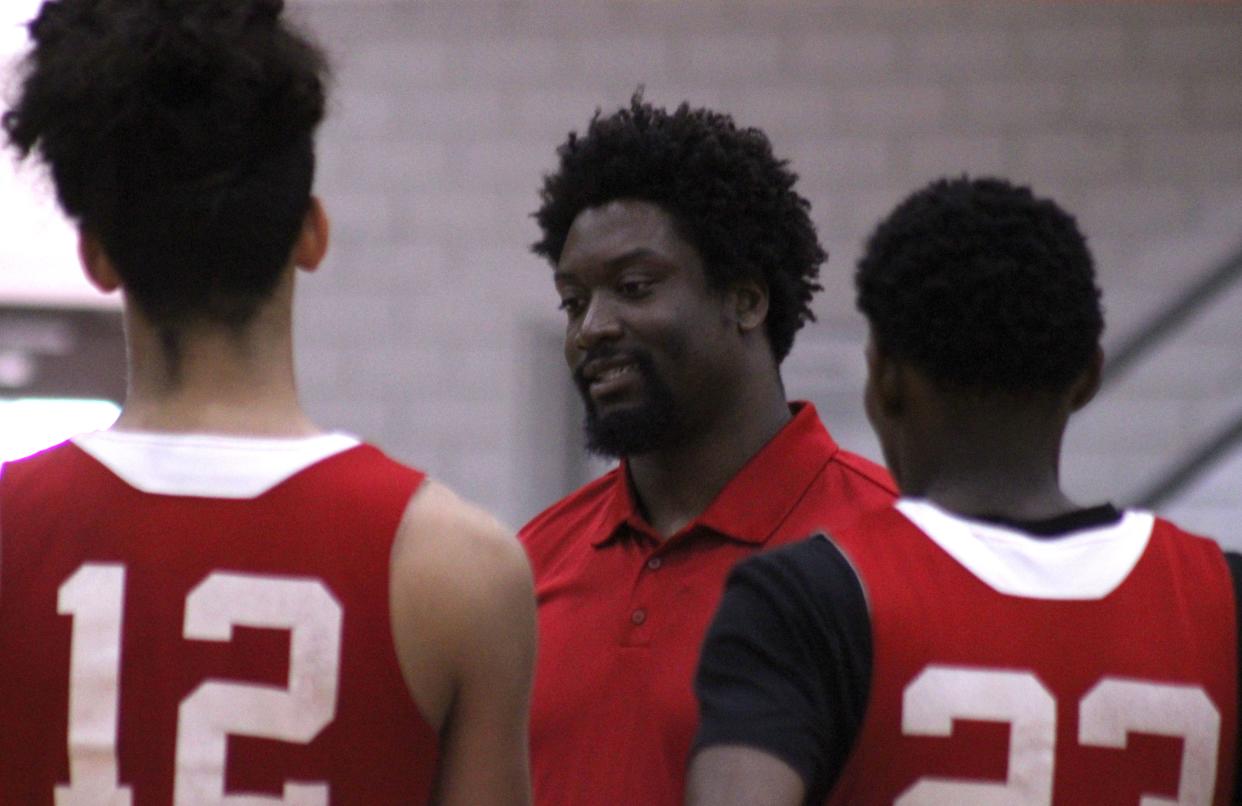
(249, 414)
(992, 456)
(214, 380)
(673, 487)
(991, 474)
(1012, 499)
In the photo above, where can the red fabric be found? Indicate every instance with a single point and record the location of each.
(622, 617)
(1171, 622)
(333, 521)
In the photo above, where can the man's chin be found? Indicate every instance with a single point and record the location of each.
(616, 408)
(627, 431)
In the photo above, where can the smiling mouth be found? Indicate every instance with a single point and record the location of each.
(612, 380)
(614, 372)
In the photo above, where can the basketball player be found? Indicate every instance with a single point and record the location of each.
(215, 601)
(986, 640)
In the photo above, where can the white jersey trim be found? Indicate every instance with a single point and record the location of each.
(1085, 564)
(208, 465)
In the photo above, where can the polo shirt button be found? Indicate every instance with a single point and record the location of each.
(638, 616)
(654, 563)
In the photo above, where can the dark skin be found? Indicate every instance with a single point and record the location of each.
(978, 454)
(629, 280)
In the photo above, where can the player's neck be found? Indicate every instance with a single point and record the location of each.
(1016, 500)
(674, 486)
(978, 476)
(993, 455)
(214, 379)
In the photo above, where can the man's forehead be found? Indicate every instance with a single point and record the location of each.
(613, 262)
(621, 231)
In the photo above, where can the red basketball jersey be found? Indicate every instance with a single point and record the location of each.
(1096, 668)
(184, 619)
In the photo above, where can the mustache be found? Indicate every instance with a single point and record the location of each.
(641, 358)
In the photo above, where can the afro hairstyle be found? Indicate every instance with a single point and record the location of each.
(729, 196)
(983, 286)
(179, 133)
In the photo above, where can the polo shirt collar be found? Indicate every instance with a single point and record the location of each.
(757, 499)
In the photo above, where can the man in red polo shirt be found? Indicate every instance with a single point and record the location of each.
(685, 263)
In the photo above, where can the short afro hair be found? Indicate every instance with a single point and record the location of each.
(179, 133)
(730, 197)
(984, 287)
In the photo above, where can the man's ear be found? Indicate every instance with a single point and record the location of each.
(312, 243)
(1088, 383)
(750, 304)
(96, 264)
(888, 379)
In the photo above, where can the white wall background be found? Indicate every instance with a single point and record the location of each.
(433, 331)
(38, 248)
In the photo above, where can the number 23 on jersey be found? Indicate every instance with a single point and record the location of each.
(1108, 713)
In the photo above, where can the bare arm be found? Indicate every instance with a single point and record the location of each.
(463, 612)
(731, 775)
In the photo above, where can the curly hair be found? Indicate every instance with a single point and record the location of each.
(179, 133)
(729, 196)
(983, 286)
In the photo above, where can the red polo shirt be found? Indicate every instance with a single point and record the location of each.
(622, 615)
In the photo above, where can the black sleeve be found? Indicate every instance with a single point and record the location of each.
(786, 665)
(1235, 570)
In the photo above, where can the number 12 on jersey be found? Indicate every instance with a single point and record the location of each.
(94, 596)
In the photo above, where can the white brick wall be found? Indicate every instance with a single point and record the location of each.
(1213, 505)
(432, 330)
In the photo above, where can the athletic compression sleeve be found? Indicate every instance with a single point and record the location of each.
(786, 664)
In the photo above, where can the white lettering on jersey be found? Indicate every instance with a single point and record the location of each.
(1115, 708)
(94, 596)
(1110, 711)
(941, 694)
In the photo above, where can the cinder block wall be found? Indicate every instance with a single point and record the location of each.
(433, 331)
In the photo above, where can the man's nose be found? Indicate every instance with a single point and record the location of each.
(600, 322)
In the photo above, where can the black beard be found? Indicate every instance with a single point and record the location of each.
(650, 425)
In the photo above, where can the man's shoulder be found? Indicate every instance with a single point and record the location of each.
(846, 487)
(1179, 532)
(1206, 550)
(366, 462)
(50, 465)
(570, 512)
(860, 470)
(442, 527)
(51, 455)
(813, 563)
(859, 475)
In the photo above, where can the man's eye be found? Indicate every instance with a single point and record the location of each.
(634, 288)
(572, 305)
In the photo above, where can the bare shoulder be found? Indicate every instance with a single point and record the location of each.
(442, 532)
(460, 591)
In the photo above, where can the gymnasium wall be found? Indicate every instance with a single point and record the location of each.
(433, 331)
